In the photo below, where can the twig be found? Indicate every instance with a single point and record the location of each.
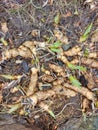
(64, 108)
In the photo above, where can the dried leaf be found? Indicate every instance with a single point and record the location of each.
(4, 27)
(11, 77)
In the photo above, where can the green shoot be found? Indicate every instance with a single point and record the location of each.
(55, 47)
(86, 33)
(57, 18)
(76, 67)
(51, 113)
(14, 107)
(74, 81)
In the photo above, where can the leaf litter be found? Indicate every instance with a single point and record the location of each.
(50, 66)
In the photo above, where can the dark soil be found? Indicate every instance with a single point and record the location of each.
(22, 17)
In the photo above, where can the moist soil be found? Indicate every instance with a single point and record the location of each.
(24, 17)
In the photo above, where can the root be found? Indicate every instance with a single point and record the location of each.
(73, 51)
(90, 62)
(56, 90)
(26, 50)
(84, 91)
(33, 82)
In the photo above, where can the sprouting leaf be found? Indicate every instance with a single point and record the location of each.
(88, 29)
(46, 108)
(35, 61)
(57, 18)
(74, 81)
(55, 47)
(96, 104)
(86, 33)
(56, 44)
(43, 20)
(75, 67)
(81, 68)
(49, 39)
(14, 107)
(83, 38)
(11, 77)
(86, 52)
(76, 12)
(57, 50)
(4, 42)
(51, 113)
